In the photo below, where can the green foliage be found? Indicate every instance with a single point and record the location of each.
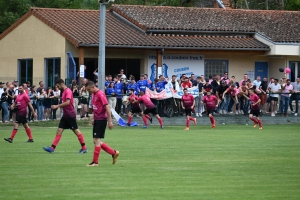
(293, 5)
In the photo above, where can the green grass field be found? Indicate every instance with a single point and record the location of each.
(231, 162)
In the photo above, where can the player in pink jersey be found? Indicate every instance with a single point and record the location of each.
(68, 120)
(135, 106)
(211, 103)
(188, 104)
(255, 108)
(151, 108)
(21, 102)
(102, 117)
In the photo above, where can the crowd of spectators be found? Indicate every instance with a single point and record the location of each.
(277, 96)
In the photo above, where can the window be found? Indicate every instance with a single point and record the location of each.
(295, 71)
(52, 71)
(214, 67)
(25, 70)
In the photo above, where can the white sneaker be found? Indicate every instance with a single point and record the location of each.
(224, 112)
(275, 112)
(292, 112)
(200, 114)
(197, 115)
(273, 115)
(296, 114)
(10, 120)
(248, 111)
(236, 112)
(231, 112)
(242, 112)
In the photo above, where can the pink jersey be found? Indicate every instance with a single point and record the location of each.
(233, 92)
(22, 103)
(99, 102)
(147, 101)
(253, 99)
(187, 100)
(210, 102)
(133, 98)
(68, 111)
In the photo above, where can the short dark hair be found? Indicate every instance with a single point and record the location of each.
(132, 78)
(185, 89)
(288, 80)
(59, 81)
(276, 79)
(89, 83)
(21, 85)
(174, 76)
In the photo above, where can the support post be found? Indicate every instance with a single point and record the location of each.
(101, 56)
(158, 61)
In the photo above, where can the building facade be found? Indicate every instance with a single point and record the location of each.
(46, 44)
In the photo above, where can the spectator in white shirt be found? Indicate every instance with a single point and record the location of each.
(257, 82)
(274, 89)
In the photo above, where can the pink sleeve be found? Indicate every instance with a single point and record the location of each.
(27, 99)
(69, 94)
(103, 99)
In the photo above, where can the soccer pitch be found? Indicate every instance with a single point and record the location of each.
(230, 162)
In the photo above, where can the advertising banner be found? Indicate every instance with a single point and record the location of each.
(177, 64)
(169, 92)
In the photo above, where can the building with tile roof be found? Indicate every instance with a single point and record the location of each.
(49, 43)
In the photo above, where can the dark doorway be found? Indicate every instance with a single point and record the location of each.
(130, 66)
(112, 67)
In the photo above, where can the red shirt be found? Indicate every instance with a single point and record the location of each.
(186, 85)
(22, 103)
(99, 102)
(187, 100)
(253, 99)
(68, 111)
(147, 101)
(133, 98)
(210, 102)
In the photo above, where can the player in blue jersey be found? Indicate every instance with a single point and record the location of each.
(142, 84)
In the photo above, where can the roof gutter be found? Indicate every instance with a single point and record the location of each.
(185, 32)
(277, 43)
(179, 48)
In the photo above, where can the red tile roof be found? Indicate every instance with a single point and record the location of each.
(278, 26)
(81, 27)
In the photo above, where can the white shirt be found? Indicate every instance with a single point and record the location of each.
(275, 88)
(1, 91)
(257, 83)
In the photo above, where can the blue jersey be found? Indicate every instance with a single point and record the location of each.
(110, 91)
(133, 86)
(160, 86)
(152, 86)
(119, 89)
(142, 85)
(107, 83)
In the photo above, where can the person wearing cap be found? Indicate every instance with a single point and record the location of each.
(225, 77)
(207, 87)
(224, 99)
(28, 85)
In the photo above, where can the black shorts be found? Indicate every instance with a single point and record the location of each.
(21, 119)
(255, 113)
(150, 110)
(99, 128)
(68, 123)
(135, 110)
(274, 99)
(210, 112)
(188, 112)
